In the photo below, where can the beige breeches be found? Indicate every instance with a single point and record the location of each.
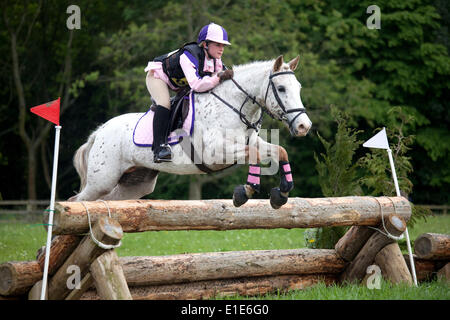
(158, 89)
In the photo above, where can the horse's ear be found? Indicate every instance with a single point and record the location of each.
(293, 63)
(278, 63)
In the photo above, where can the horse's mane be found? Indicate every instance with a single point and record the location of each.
(242, 72)
(251, 65)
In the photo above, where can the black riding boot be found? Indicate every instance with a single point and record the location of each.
(161, 149)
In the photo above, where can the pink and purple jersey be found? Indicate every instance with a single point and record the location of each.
(190, 67)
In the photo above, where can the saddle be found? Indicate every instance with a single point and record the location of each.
(181, 117)
(179, 109)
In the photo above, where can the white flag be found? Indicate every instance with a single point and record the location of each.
(378, 141)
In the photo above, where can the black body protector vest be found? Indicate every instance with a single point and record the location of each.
(171, 64)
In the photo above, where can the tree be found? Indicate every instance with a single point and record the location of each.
(338, 176)
(407, 59)
(21, 24)
(345, 65)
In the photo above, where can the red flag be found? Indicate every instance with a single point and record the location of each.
(48, 111)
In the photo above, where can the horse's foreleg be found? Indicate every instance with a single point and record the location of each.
(244, 192)
(279, 195)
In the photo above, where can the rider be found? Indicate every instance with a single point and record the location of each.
(196, 65)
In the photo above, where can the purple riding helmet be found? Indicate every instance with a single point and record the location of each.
(213, 32)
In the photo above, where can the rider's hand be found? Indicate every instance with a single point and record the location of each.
(225, 75)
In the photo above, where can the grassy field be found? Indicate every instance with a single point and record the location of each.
(20, 241)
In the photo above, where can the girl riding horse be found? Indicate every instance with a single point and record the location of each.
(197, 65)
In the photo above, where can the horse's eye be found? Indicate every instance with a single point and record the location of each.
(281, 89)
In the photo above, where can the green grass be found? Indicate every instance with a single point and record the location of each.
(435, 290)
(20, 241)
(174, 242)
(435, 224)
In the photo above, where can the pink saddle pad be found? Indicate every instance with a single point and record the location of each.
(143, 131)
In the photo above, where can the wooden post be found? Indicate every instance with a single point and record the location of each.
(433, 246)
(61, 248)
(395, 225)
(17, 277)
(444, 273)
(352, 242)
(154, 215)
(393, 265)
(85, 284)
(107, 231)
(424, 268)
(109, 278)
(35, 292)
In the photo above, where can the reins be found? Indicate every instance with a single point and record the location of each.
(256, 125)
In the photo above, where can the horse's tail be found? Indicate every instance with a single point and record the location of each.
(80, 159)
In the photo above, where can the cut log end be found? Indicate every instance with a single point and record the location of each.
(7, 278)
(111, 228)
(397, 222)
(433, 246)
(16, 277)
(422, 246)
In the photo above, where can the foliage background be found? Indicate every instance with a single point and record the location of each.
(99, 73)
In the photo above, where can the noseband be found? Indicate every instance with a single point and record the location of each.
(256, 125)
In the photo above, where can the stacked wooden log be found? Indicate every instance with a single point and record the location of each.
(104, 275)
(364, 246)
(206, 274)
(158, 215)
(432, 256)
(67, 254)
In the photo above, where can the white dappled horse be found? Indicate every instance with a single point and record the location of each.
(112, 167)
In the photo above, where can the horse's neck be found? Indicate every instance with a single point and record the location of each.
(251, 78)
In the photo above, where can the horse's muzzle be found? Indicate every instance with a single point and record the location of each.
(301, 130)
(301, 127)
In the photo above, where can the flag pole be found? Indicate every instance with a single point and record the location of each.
(397, 190)
(52, 209)
(380, 141)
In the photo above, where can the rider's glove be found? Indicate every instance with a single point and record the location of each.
(225, 75)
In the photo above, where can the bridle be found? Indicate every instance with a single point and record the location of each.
(283, 116)
(256, 125)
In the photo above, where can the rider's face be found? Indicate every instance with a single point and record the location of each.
(215, 49)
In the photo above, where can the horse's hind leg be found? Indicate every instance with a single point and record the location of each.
(100, 181)
(134, 185)
(96, 191)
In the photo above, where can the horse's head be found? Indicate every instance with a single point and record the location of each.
(282, 97)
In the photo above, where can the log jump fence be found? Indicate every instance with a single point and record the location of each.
(375, 223)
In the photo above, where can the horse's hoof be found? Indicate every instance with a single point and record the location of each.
(276, 198)
(239, 196)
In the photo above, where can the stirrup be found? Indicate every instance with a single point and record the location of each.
(164, 154)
